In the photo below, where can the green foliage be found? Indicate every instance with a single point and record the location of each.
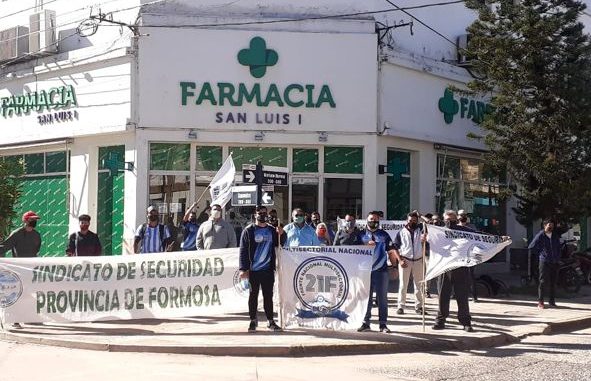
(11, 173)
(534, 60)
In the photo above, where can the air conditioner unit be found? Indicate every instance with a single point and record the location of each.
(14, 43)
(462, 46)
(42, 39)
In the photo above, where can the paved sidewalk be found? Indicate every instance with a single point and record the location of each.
(496, 322)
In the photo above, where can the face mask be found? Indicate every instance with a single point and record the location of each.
(321, 233)
(412, 225)
(315, 221)
(32, 223)
(451, 223)
(349, 224)
(463, 219)
(84, 228)
(298, 220)
(373, 224)
(273, 220)
(216, 213)
(262, 217)
(152, 218)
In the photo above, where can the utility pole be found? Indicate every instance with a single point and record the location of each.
(259, 180)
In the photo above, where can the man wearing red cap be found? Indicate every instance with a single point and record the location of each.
(25, 241)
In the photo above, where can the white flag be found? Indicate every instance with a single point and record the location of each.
(450, 249)
(220, 187)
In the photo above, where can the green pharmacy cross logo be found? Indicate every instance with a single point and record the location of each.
(448, 106)
(258, 57)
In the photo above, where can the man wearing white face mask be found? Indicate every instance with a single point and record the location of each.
(215, 233)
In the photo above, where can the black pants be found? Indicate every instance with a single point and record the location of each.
(548, 279)
(460, 280)
(265, 280)
(473, 284)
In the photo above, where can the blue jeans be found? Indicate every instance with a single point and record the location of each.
(379, 285)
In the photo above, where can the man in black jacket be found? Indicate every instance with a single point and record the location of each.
(257, 264)
(84, 243)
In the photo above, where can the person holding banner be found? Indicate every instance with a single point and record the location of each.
(459, 280)
(408, 249)
(257, 264)
(383, 248)
(152, 237)
(299, 233)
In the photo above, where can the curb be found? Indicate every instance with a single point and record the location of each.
(460, 343)
(302, 350)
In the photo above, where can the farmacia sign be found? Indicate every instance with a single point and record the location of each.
(258, 58)
(53, 99)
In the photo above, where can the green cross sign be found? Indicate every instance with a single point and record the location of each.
(258, 57)
(113, 163)
(397, 167)
(448, 106)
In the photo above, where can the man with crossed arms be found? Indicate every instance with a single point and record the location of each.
(409, 253)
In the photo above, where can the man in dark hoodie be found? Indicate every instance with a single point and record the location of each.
(546, 244)
(257, 264)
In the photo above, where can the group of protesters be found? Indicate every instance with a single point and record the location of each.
(257, 243)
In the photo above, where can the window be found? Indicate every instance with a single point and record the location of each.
(305, 160)
(209, 158)
(170, 156)
(343, 160)
(275, 156)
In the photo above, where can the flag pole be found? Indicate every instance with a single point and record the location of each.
(202, 194)
(424, 288)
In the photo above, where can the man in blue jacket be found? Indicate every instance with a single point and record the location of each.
(383, 248)
(546, 244)
(257, 264)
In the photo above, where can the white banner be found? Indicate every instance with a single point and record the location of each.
(162, 285)
(220, 187)
(324, 287)
(450, 249)
(392, 227)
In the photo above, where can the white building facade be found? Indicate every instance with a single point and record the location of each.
(363, 119)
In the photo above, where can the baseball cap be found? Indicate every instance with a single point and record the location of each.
(30, 215)
(151, 208)
(462, 212)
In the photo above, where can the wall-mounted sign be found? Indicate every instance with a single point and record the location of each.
(466, 107)
(258, 59)
(53, 99)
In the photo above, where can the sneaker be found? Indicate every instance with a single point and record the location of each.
(541, 305)
(400, 311)
(468, 328)
(273, 326)
(16, 326)
(552, 304)
(419, 311)
(384, 328)
(364, 328)
(252, 327)
(438, 326)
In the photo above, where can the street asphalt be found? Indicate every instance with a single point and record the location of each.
(496, 322)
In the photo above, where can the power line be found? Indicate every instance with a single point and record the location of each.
(422, 23)
(300, 19)
(26, 9)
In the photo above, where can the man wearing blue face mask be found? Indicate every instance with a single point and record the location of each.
(298, 233)
(383, 248)
(348, 233)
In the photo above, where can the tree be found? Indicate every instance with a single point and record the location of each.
(11, 172)
(533, 59)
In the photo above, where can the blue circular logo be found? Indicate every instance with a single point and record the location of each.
(240, 287)
(321, 284)
(11, 288)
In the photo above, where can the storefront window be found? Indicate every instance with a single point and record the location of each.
(170, 193)
(343, 159)
(208, 158)
(465, 183)
(341, 197)
(170, 156)
(305, 160)
(34, 164)
(55, 162)
(275, 156)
